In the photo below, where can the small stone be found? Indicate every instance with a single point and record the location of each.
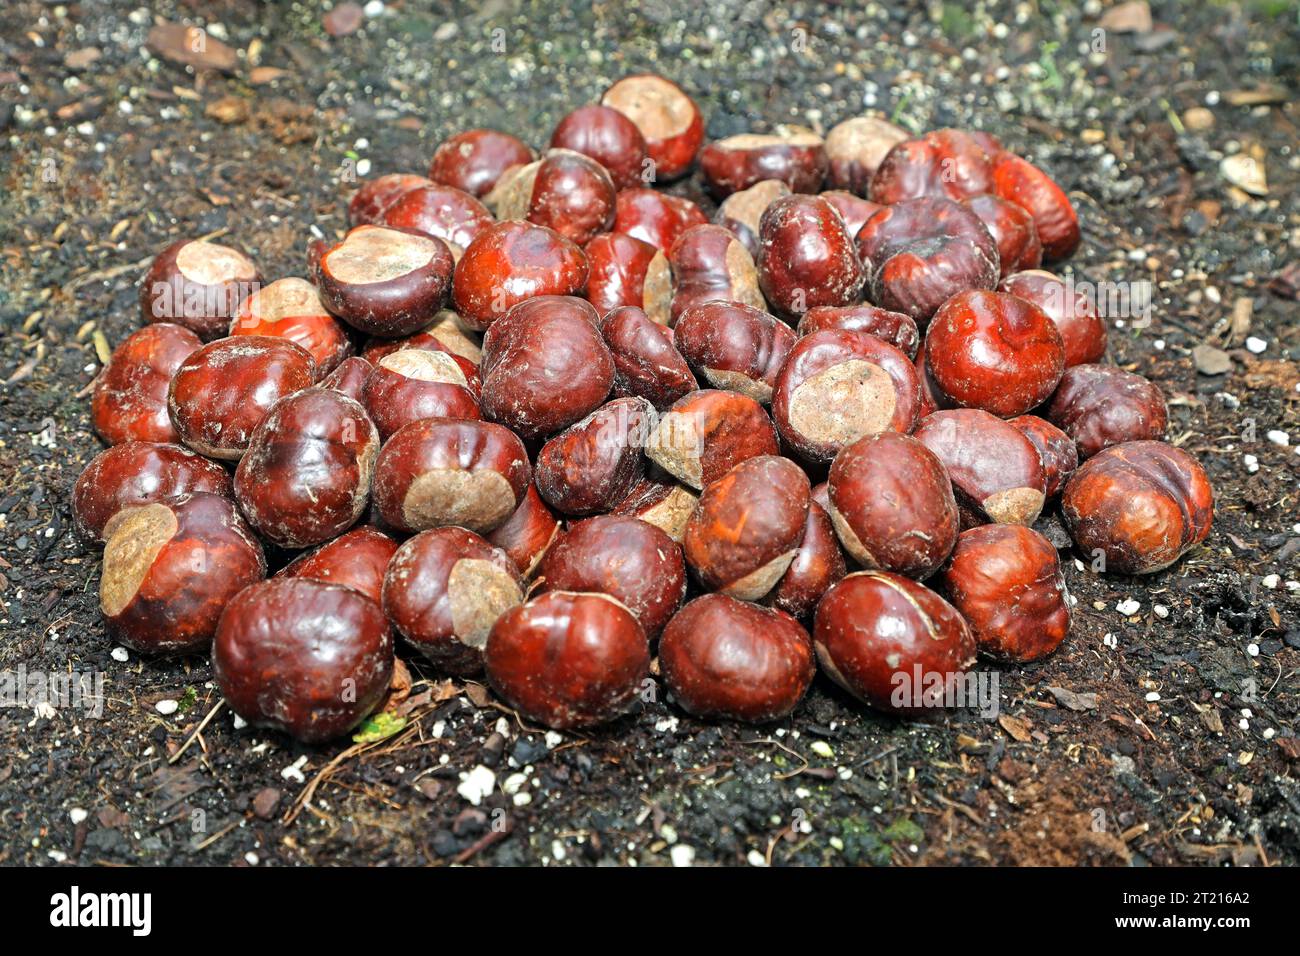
(1279, 438)
(1152, 696)
(682, 855)
(120, 654)
(1256, 345)
(1246, 173)
(167, 707)
(477, 784)
(344, 20)
(1210, 360)
(1198, 119)
(266, 802)
(77, 815)
(1128, 607)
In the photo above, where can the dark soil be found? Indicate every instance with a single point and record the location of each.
(106, 162)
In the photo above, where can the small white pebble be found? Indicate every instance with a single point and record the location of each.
(1247, 712)
(239, 722)
(363, 167)
(1252, 649)
(557, 850)
(522, 798)
(1293, 586)
(754, 858)
(1153, 696)
(1279, 437)
(553, 739)
(1111, 641)
(1128, 607)
(666, 725)
(1244, 724)
(76, 815)
(513, 783)
(58, 856)
(1252, 463)
(477, 784)
(1269, 733)
(822, 749)
(1256, 345)
(682, 855)
(1270, 581)
(1162, 612)
(120, 654)
(251, 858)
(167, 707)
(294, 770)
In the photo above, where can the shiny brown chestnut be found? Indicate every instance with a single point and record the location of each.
(545, 366)
(946, 162)
(1055, 449)
(610, 138)
(306, 475)
(856, 147)
(1101, 405)
(300, 656)
(1074, 312)
(734, 346)
(171, 567)
(473, 161)
(1141, 505)
(510, 262)
(291, 309)
(385, 281)
(443, 334)
(356, 559)
(1012, 229)
(993, 351)
(669, 120)
(854, 211)
(723, 658)
(817, 565)
(411, 384)
(794, 155)
(892, 505)
(892, 643)
(837, 386)
(897, 329)
(655, 217)
(625, 271)
(220, 393)
(741, 212)
(565, 191)
(528, 533)
(995, 470)
(632, 561)
(1021, 182)
(806, 258)
(375, 195)
(199, 285)
(647, 362)
(443, 591)
(709, 263)
(436, 472)
(568, 659)
(660, 502)
(707, 432)
(593, 464)
(1006, 582)
(921, 252)
(747, 526)
(349, 377)
(140, 473)
(444, 212)
(129, 401)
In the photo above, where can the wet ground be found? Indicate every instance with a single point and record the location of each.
(1164, 731)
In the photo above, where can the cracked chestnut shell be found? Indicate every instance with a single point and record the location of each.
(1083, 332)
(307, 658)
(607, 136)
(1021, 182)
(632, 561)
(723, 658)
(897, 329)
(473, 161)
(356, 559)
(568, 659)
(706, 432)
(669, 120)
(443, 591)
(806, 257)
(892, 505)
(647, 362)
(747, 527)
(734, 346)
(794, 155)
(655, 217)
(1100, 405)
(891, 642)
(626, 271)
(291, 309)
(509, 262)
(709, 263)
(199, 285)
(171, 567)
(1006, 582)
(1142, 504)
(593, 464)
(306, 475)
(129, 402)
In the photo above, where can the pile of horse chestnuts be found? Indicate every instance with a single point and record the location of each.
(541, 422)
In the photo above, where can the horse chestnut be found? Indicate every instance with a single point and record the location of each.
(1083, 331)
(664, 504)
(741, 212)
(945, 163)
(734, 346)
(349, 377)
(817, 565)
(291, 309)
(646, 360)
(655, 217)
(856, 147)
(854, 211)
(669, 120)
(1012, 229)
(591, 466)
(528, 533)
(806, 257)
(707, 432)
(411, 384)
(129, 402)
(794, 155)
(473, 161)
(376, 195)
(565, 191)
(510, 262)
(1055, 448)
(608, 137)
(443, 212)
(357, 560)
(897, 329)
(1100, 405)
(628, 272)
(1021, 182)
(199, 285)
(710, 263)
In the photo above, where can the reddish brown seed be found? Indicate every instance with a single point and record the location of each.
(837, 386)
(897, 329)
(655, 217)
(608, 137)
(891, 642)
(437, 472)
(854, 211)
(568, 660)
(565, 191)
(354, 560)
(444, 212)
(593, 465)
(129, 402)
(474, 160)
(646, 360)
(669, 120)
(545, 366)
(632, 561)
(1083, 332)
(170, 568)
(376, 195)
(741, 212)
(628, 272)
(220, 393)
(528, 533)
(734, 346)
(1100, 405)
(1021, 182)
(444, 590)
(994, 351)
(747, 527)
(303, 657)
(1140, 506)
(945, 163)
(806, 257)
(707, 432)
(817, 565)
(291, 309)
(661, 502)
(995, 470)
(795, 155)
(140, 473)
(349, 377)
(411, 384)
(510, 262)
(385, 281)
(723, 658)
(199, 285)
(1055, 449)
(709, 263)
(892, 505)
(1006, 581)
(856, 147)
(1012, 229)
